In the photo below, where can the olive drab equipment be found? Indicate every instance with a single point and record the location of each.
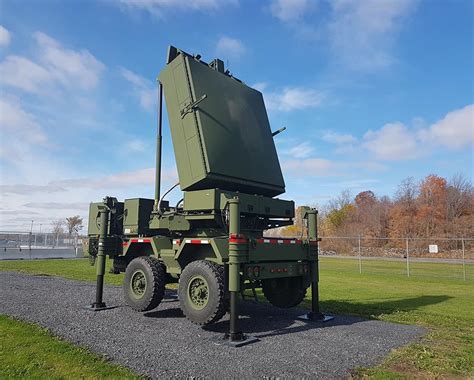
(212, 242)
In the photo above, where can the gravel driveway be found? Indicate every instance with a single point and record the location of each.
(163, 344)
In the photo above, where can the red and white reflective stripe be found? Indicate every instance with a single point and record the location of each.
(196, 241)
(140, 241)
(176, 242)
(279, 241)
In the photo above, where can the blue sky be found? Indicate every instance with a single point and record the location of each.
(371, 92)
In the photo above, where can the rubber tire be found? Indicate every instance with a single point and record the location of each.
(216, 307)
(284, 292)
(155, 275)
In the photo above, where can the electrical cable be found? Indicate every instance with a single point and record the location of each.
(164, 195)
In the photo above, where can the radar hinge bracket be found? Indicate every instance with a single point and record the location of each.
(190, 107)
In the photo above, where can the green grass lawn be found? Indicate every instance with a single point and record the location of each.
(75, 269)
(443, 305)
(29, 351)
(432, 297)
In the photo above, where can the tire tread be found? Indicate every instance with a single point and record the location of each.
(218, 272)
(158, 283)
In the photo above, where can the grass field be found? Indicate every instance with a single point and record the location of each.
(429, 298)
(29, 351)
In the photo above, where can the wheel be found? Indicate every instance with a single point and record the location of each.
(201, 292)
(284, 292)
(144, 283)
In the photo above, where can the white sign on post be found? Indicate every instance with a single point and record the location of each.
(433, 248)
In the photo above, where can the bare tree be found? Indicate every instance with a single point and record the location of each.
(344, 199)
(459, 194)
(407, 192)
(57, 226)
(73, 224)
(459, 206)
(57, 229)
(404, 209)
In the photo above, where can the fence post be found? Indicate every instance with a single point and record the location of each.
(408, 260)
(360, 259)
(463, 260)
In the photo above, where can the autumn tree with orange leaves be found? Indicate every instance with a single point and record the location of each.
(433, 207)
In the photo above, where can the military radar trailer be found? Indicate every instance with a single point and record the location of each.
(211, 242)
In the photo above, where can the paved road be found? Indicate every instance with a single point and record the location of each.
(163, 344)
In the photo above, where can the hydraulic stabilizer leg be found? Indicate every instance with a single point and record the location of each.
(99, 304)
(238, 251)
(313, 246)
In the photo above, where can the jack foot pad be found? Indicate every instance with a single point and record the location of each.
(98, 307)
(315, 317)
(237, 341)
(171, 297)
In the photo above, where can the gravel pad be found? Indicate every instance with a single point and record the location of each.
(162, 343)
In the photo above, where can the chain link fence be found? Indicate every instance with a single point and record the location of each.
(410, 257)
(433, 257)
(38, 240)
(37, 245)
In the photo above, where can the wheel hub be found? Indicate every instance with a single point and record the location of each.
(138, 284)
(198, 292)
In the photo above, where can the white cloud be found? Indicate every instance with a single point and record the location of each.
(289, 98)
(55, 67)
(361, 32)
(157, 8)
(29, 189)
(338, 138)
(58, 205)
(61, 198)
(135, 145)
(293, 98)
(345, 143)
(395, 141)
(302, 150)
(19, 131)
(70, 67)
(290, 10)
(260, 86)
(26, 150)
(119, 180)
(392, 142)
(143, 88)
(310, 167)
(20, 72)
(454, 131)
(228, 47)
(42, 136)
(5, 36)
(134, 79)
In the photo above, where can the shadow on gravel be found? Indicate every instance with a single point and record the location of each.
(165, 313)
(263, 320)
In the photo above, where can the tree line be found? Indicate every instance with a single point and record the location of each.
(432, 207)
